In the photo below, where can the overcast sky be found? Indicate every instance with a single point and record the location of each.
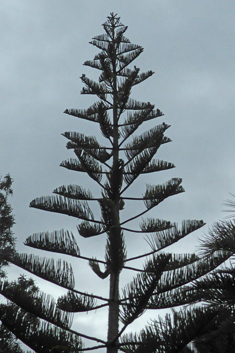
(190, 47)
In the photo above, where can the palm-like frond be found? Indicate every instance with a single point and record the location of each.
(178, 261)
(149, 139)
(172, 290)
(81, 140)
(72, 302)
(157, 165)
(98, 89)
(40, 336)
(127, 48)
(104, 121)
(172, 334)
(221, 237)
(57, 241)
(162, 239)
(180, 270)
(216, 288)
(102, 37)
(157, 193)
(133, 104)
(220, 337)
(150, 225)
(74, 192)
(143, 76)
(39, 304)
(90, 114)
(94, 64)
(134, 120)
(88, 229)
(124, 89)
(181, 276)
(99, 43)
(58, 272)
(92, 168)
(137, 165)
(125, 60)
(125, 72)
(73, 164)
(138, 293)
(63, 205)
(100, 155)
(88, 143)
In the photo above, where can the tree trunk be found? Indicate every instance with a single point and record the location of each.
(113, 319)
(113, 312)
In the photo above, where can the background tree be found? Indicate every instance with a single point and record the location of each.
(114, 168)
(9, 311)
(30, 314)
(7, 240)
(8, 342)
(17, 322)
(216, 291)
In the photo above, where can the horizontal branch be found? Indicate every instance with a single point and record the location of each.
(89, 295)
(134, 269)
(91, 348)
(143, 255)
(60, 252)
(87, 337)
(97, 307)
(134, 217)
(62, 286)
(132, 230)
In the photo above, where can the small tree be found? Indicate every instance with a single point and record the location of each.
(7, 240)
(12, 315)
(25, 304)
(114, 168)
(8, 342)
(24, 316)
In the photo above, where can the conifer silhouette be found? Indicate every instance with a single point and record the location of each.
(114, 167)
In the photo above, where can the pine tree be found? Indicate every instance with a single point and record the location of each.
(114, 167)
(216, 290)
(216, 333)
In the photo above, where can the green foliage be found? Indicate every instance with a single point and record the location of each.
(174, 333)
(22, 315)
(163, 282)
(8, 342)
(22, 290)
(7, 241)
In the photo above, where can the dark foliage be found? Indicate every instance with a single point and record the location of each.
(114, 166)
